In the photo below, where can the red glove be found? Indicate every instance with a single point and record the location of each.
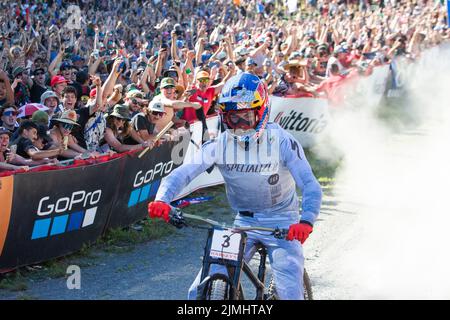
(159, 209)
(299, 231)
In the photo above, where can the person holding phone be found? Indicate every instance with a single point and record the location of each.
(204, 94)
(9, 160)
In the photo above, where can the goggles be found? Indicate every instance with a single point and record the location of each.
(240, 119)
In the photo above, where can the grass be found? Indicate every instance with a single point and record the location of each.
(13, 281)
(118, 239)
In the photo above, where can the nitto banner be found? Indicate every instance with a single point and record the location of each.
(305, 118)
(55, 212)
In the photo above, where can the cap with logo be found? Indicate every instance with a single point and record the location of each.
(167, 82)
(57, 80)
(156, 105)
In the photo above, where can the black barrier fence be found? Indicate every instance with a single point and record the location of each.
(56, 212)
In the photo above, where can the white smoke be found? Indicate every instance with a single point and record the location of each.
(394, 243)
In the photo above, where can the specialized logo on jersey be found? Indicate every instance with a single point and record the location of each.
(257, 168)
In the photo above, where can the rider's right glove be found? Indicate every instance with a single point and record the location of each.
(159, 209)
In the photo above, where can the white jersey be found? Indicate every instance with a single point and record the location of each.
(261, 179)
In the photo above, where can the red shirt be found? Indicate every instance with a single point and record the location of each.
(331, 87)
(204, 98)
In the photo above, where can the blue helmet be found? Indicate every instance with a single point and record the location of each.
(246, 91)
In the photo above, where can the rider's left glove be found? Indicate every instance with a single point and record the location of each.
(159, 209)
(299, 231)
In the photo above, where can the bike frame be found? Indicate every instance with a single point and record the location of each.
(235, 268)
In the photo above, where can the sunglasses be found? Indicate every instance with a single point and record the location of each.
(10, 113)
(120, 119)
(67, 126)
(39, 73)
(203, 80)
(140, 103)
(158, 114)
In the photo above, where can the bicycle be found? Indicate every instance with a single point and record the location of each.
(225, 245)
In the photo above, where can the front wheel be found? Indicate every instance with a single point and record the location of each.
(219, 290)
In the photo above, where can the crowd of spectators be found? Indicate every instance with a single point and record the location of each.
(87, 77)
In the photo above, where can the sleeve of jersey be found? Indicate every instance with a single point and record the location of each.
(174, 183)
(294, 158)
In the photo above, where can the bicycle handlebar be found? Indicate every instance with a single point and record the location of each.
(177, 218)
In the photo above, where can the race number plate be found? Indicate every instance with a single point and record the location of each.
(225, 245)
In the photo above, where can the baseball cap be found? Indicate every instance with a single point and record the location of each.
(250, 62)
(57, 80)
(17, 71)
(339, 49)
(65, 65)
(221, 55)
(38, 69)
(167, 82)
(40, 117)
(135, 94)
(93, 93)
(243, 51)
(3, 130)
(156, 105)
(202, 75)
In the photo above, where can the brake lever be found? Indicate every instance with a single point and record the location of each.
(280, 233)
(176, 218)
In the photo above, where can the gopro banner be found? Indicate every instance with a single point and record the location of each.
(140, 181)
(305, 118)
(54, 213)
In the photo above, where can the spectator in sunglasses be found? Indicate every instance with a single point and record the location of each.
(204, 94)
(119, 134)
(39, 86)
(62, 132)
(145, 122)
(135, 102)
(8, 118)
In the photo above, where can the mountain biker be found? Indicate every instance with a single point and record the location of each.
(261, 191)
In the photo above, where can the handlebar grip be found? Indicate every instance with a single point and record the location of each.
(176, 218)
